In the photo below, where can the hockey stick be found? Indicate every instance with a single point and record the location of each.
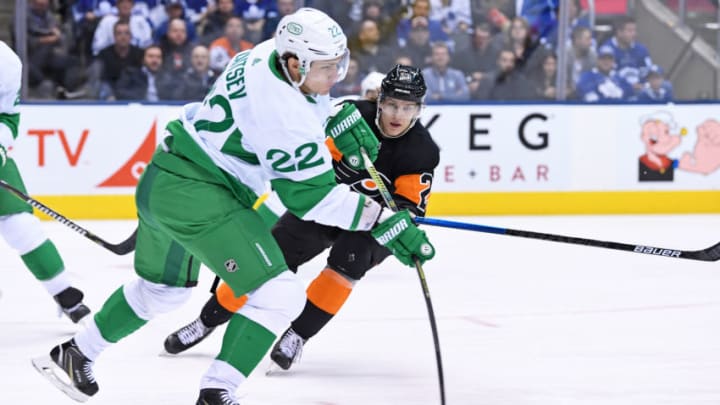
(387, 197)
(122, 248)
(710, 254)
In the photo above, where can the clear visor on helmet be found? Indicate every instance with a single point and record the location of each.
(341, 66)
(398, 107)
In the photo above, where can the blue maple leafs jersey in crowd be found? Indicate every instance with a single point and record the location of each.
(594, 85)
(631, 64)
(663, 94)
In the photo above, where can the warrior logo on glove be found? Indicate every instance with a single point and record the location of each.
(397, 232)
(392, 232)
(350, 133)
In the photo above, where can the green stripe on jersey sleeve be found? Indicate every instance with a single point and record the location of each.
(358, 212)
(11, 121)
(301, 196)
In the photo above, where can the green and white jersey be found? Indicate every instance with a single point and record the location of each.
(10, 82)
(257, 128)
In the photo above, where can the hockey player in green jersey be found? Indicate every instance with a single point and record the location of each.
(23, 231)
(265, 120)
(407, 161)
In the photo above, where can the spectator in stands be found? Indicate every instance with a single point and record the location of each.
(418, 45)
(176, 48)
(350, 85)
(443, 82)
(255, 13)
(495, 12)
(214, 26)
(224, 48)
(196, 10)
(480, 57)
(198, 79)
(91, 9)
(284, 7)
(372, 56)
(51, 67)
(545, 79)
(255, 9)
(403, 59)
(602, 83)
(632, 59)
(450, 13)
(148, 83)
(86, 16)
(175, 9)
(541, 16)
(344, 12)
(139, 27)
(386, 22)
(254, 30)
(506, 82)
(111, 61)
(421, 8)
(656, 89)
(528, 53)
(151, 10)
(461, 36)
(582, 55)
(578, 18)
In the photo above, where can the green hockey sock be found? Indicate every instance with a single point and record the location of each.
(245, 343)
(117, 319)
(44, 261)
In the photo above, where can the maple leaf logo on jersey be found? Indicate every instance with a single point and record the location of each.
(129, 174)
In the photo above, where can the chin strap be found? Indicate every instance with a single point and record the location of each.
(296, 86)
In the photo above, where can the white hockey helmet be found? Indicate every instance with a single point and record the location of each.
(372, 81)
(311, 35)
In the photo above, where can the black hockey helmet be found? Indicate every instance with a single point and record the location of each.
(404, 83)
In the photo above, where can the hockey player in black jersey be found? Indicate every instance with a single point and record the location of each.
(407, 159)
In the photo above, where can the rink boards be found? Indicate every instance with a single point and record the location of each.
(84, 159)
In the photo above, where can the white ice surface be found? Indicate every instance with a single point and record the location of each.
(521, 322)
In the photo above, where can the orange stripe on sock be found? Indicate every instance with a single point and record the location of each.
(329, 291)
(226, 297)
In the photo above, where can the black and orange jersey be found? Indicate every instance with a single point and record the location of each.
(406, 164)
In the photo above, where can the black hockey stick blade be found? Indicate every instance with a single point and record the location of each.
(122, 248)
(711, 254)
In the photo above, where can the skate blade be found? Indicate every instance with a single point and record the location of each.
(85, 321)
(165, 353)
(272, 369)
(47, 368)
(275, 369)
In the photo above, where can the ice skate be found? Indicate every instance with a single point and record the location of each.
(216, 396)
(187, 337)
(70, 302)
(287, 350)
(69, 370)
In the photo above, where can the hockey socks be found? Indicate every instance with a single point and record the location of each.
(245, 343)
(44, 261)
(117, 319)
(326, 294)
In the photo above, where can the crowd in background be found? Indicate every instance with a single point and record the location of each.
(154, 50)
